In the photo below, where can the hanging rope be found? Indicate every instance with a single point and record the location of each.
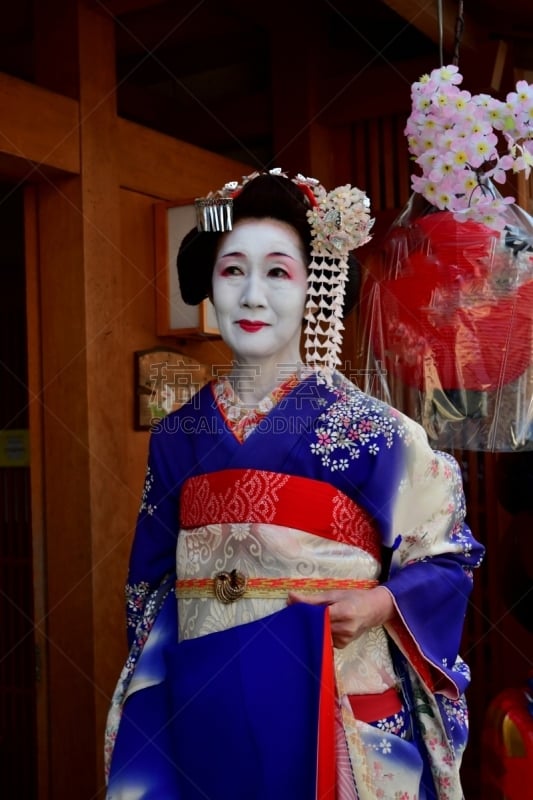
(441, 32)
(459, 28)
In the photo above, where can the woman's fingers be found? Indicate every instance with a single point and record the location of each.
(351, 612)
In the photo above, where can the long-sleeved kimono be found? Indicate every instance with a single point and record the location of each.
(323, 487)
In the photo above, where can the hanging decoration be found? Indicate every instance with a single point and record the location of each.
(448, 300)
(461, 143)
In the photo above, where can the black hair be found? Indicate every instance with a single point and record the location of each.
(266, 195)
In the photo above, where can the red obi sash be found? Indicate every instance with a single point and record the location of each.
(248, 495)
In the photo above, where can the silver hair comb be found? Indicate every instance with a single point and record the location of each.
(214, 214)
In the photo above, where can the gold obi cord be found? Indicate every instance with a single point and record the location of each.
(227, 587)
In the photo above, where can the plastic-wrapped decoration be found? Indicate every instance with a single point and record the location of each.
(447, 315)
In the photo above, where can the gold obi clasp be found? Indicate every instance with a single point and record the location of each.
(229, 586)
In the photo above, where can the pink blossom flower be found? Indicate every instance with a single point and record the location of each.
(460, 141)
(323, 438)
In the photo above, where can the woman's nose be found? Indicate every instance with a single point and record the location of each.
(253, 295)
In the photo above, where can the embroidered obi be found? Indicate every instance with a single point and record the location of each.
(275, 526)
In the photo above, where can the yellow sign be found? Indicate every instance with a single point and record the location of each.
(14, 448)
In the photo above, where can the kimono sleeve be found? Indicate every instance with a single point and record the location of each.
(430, 576)
(153, 553)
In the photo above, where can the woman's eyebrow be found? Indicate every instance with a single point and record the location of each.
(273, 254)
(232, 254)
(282, 253)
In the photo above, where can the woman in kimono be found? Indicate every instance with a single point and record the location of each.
(301, 566)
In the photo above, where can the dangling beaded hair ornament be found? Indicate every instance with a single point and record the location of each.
(340, 222)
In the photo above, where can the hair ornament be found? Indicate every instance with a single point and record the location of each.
(214, 214)
(340, 222)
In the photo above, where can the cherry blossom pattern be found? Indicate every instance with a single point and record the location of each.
(146, 506)
(355, 422)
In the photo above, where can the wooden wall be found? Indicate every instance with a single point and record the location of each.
(92, 180)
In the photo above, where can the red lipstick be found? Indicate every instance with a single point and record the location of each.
(249, 326)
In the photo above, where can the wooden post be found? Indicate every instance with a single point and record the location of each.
(84, 382)
(301, 139)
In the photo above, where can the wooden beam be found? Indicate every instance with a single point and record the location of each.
(499, 64)
(301, 142)
(39, 128)
(152, 163)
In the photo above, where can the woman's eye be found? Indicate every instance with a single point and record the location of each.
(231, 270)
(278, 272)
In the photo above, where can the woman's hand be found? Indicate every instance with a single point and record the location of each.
(351, 611)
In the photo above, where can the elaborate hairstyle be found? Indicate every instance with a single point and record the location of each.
(330, 226)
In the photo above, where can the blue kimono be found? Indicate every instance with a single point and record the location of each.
(320, 487)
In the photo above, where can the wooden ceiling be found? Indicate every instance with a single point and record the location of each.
(225, 75)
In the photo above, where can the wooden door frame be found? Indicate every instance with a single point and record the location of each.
(34, 338)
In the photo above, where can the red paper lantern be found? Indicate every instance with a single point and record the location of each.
(453, 314)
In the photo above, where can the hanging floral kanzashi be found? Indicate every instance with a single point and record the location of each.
(461, 141)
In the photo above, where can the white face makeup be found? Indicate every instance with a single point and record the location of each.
(259, 292)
